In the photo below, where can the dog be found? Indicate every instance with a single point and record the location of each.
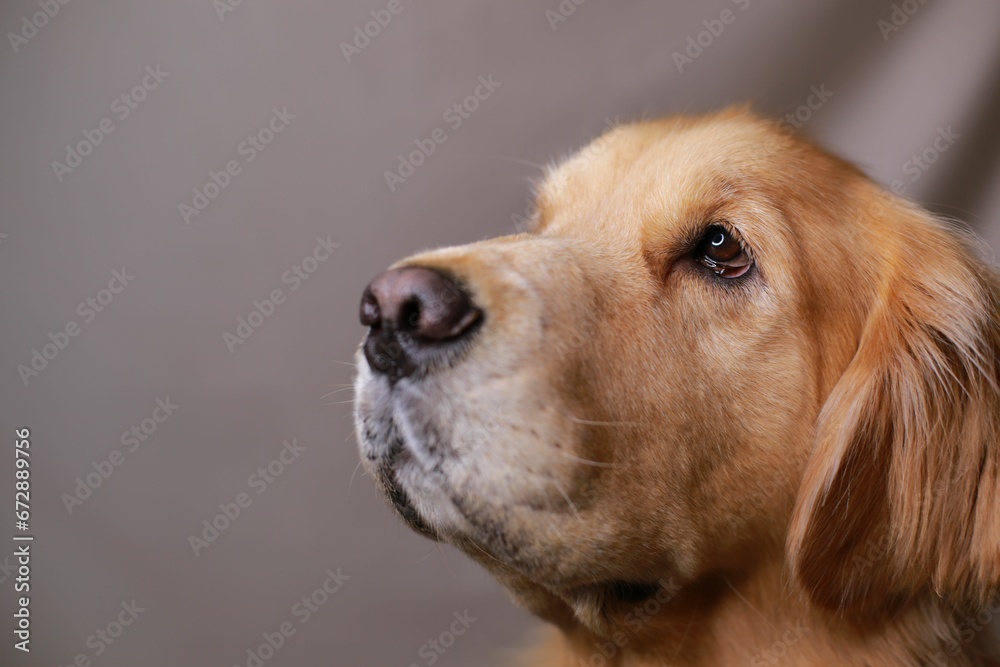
(727, 402)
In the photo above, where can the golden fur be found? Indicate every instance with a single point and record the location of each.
(801, 467)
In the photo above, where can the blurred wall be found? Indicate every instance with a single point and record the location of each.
(286, 135)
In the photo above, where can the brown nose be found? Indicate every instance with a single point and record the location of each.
(413, 311)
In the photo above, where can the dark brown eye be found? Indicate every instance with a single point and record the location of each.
(722, 251)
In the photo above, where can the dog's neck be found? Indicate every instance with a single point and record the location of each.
(761, 619)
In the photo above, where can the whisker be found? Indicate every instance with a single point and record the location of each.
(563, 493)
(352, 476)
(336, 391)
(591, 422)
(495, 156)
(740, 596)
(444, 558)
(428, 554)
(338, 402)
(596, 464)
(680, 644)
(343, 362)
(489, 555)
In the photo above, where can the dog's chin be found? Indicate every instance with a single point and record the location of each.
(400, 499)
(418, 494)
(421, 494)
(422, 498)
(427, 501)
(498, 535)
(448, 487)
(401, 448)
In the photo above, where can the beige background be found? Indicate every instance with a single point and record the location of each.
(323, 175)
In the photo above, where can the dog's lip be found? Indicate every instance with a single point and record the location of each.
(397, 496)
(632, 592)
(384, 461)
(420, 356)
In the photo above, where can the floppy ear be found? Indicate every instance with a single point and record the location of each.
(902, 493)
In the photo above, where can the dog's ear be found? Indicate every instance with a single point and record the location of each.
(901, 495)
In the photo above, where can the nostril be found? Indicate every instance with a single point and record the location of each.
(371, 314)
(439, 310)
(409, 316)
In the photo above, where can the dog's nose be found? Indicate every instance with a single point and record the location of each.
(418, 303)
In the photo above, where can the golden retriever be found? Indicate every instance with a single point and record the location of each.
(727, 403)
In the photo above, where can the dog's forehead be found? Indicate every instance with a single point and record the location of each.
(656, 168)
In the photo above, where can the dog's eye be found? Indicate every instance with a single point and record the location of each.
(721, 250)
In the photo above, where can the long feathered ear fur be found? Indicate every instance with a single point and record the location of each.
(901, 497)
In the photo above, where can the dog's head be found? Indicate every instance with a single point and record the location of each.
(715, 340)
